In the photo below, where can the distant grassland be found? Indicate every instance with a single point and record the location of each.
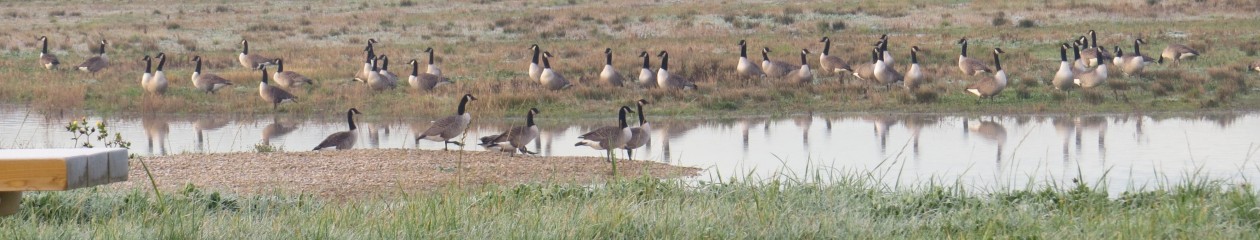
(483, 47)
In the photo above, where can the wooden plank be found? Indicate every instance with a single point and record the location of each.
(118, 165)
(60, 169)
(97, 168)
(36, 174)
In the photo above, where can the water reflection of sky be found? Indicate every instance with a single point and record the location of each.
(980, 151)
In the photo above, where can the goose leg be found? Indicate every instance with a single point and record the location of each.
(629, 154)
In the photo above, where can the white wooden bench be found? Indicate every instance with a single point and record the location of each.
(56, 170)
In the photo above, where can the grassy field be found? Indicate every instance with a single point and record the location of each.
(647, 208)
(483, 46)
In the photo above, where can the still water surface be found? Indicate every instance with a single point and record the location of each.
(1127, 151)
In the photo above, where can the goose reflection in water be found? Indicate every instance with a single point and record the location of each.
(882, 124)
(1099, 125)
(207, 123)
(989, 130)
(277, 129)
(915, 124)
(156, 129)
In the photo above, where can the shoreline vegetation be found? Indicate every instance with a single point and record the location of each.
(488, 57)
(648, 207)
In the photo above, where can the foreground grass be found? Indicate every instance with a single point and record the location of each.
(649, 208)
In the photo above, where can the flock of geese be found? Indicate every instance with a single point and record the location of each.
(1087, 69)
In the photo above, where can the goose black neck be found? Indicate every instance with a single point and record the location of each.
(641, 119)
(997, 61)
(608, 58)
(665, 62)
(148, 65)
(264, 74)
(546, 62)
(280, 65)
(350, 119)
(1063, 54)
(45, 51)
(198, 69)
(102, 49)
(964, 49)
(803, 62)
(385, 64)
(463, 102)
(874, 56)
(1076, 52)
(374, 66)
(914, 57)
(1093, 39)
(621, 118)
(764, 56)
(529, 119)
(1137, 51)
(431, 56)
(646, 59)
(161, 62)
(827, 47)
(246, 49)
(415, 68)
(536, 53)
(743, 50)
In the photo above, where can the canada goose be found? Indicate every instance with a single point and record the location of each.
(46, 59)
(1132, 64)
(376, 81)
(970, 66)
(609, 137)
(288, 79)
(609, 75)
(1063, 78)
(888, 57)
(914, 75)
(273, 95)
(1093, 53)
(207, 82)
(667, 80)
(802, 75)
(773, 68)
(516, 138)
(252, 60)
(1092, 78)
(443, 130)
(535, 72)
(341, 140)
(148, 72)
(433, 67)
(831, 63)
(157, 84)
(866, 71)
(883, 72)
(385, 73)
(96, 63)
(647, 78)
(424, 81)
(639, 136)
(367, 71)
(551, 79)
(989, 87)
(1177, 52)
(1078, 65)
(745, 67)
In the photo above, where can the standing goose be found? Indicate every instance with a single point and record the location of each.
(96, 63)
(802, 75)
(370, 58)
(433, 67)
(1063, 78)
(1078, 64)
(667, 80)
(46, 59)
(745, 66)
(342, 140)
(207, 82)
(773, 68)
(1092, 78)
(888, 66)
(647, 78)
(391, 77)
(609, 138)
(970, 66)
(1135, 63)
(535, 72)
(288, 79)
(1177, 52)
(1092, 52)
(148, 73)
(516, 138)
(639, 136)
(273, 95)
(888, 57)
(609, 75)
(883, 72)
(914, 75)
(157, 84)
(866, 71)
(376, 81)
(830, 63)
(551, 79)
(990, 87)
(443, 130)
(252, 60)
(424, 81)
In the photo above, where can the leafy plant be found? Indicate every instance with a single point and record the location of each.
(85, 132)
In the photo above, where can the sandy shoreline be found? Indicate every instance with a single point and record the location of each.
(358, 173)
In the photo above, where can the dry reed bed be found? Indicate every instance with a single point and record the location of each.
(487, 55)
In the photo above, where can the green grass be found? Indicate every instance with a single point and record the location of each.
(648, 208)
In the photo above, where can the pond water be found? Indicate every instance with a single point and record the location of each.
(1126, 151)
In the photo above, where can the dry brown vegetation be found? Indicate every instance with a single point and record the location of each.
(483, 47)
